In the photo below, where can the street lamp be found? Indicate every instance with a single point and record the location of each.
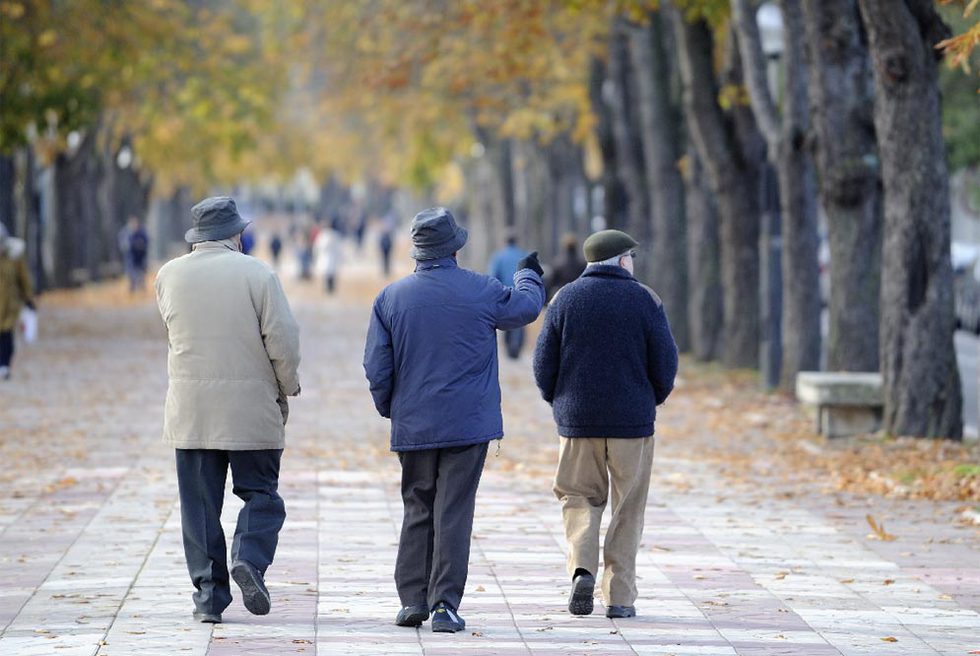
(771, 35)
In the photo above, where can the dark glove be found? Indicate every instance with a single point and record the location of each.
(283, 408)
(531, 262)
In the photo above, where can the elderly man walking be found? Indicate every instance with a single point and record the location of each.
(431, 360)
(233, 358)
(604, 360)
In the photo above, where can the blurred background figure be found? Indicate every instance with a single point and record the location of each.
(275, 249)
(389, 223)
(15, 293)
(134, 244)
(359, 221)
(248, 241)
(568, 266)
(328, 247)
(503, 266)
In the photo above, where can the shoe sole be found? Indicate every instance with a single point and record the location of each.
(620, 616)
(446, 628)
(256, 599)
(413, 620)
(581, 601)
(207, 618)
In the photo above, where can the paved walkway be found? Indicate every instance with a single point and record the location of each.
(91, 562)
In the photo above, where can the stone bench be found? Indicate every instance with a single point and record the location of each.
(847, 403)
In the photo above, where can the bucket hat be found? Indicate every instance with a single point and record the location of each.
(435, 234)
(215, 218)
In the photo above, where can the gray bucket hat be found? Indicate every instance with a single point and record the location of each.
(215, 218)
(435, 234)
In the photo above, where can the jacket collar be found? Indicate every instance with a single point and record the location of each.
(607, 271)
(448, 262)
(220, 244)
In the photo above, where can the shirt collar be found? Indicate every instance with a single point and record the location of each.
(607, 271)
(448, 262)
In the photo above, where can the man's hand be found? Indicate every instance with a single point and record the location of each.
(531, 262)
(283, 408)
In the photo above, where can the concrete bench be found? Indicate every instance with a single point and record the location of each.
(847, 403)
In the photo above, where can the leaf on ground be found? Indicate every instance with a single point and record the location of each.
(879, 530)
(890, 639)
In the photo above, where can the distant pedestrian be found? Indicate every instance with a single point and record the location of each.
(503, 266)
(567, 267)
(275, 249)
(16, 292)
(360, 227)
(605, 359)
(386, 240)
(135, 246)
(431, 361)
(329, 252)
(248, 241)
(232, 359)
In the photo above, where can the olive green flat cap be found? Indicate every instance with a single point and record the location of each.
(607, 243)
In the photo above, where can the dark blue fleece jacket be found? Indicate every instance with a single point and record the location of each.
(605, 357)
(431, 352)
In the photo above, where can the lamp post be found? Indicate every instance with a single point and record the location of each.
(770, 22)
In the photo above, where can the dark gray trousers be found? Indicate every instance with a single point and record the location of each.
(201, 477)
(439, 494)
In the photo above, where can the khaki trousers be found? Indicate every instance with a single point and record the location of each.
(587, 468)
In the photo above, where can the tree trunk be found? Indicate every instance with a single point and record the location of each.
(613, 193)
(918, 358)
(724, 142)
(621, 96)
(7, 192)
(76, 215)
(705, 312)
(786, 140)
(842, 101)
(661, 139)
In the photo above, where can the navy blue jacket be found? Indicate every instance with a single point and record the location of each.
(431, 354)
(605, 356)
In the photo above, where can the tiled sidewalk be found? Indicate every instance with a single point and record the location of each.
(91, 561)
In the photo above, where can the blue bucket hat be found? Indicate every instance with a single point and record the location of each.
(435, 234)
(215, 218)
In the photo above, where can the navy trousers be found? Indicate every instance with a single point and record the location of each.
(439, 494)
(201, 477)
(6, 347)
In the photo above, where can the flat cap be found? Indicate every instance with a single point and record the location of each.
(605, 244)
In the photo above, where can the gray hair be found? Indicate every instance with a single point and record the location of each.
(610, 261)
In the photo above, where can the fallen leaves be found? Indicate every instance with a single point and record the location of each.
(889, 639)
(879, 530)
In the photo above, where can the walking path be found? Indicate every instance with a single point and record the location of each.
(91, 560)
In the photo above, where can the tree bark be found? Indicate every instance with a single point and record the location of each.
(787, 147)
(621, 96)
(724, 142)
(705, 311)
(613, 194)
(661, 139)
(918, 359)
(842, 101)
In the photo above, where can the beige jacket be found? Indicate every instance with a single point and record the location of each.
(15, 282)
(233, 350)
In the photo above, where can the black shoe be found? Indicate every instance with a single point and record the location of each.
(580, 600)
(412, 615)
(207, 618)
(446, 620)
(254, 593)
(619, 612)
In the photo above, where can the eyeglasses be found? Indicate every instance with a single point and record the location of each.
(632, 254)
